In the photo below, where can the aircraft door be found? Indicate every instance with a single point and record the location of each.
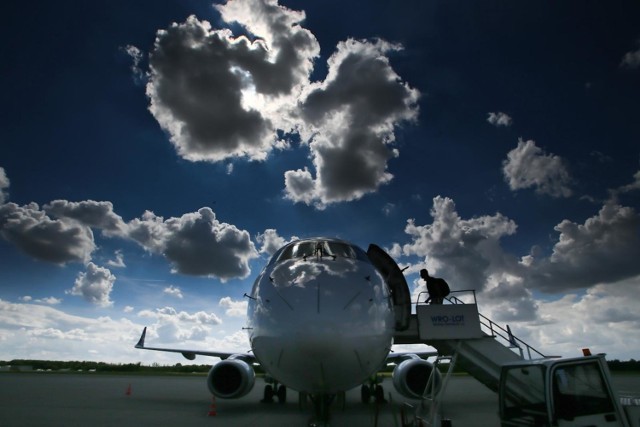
(396, 282)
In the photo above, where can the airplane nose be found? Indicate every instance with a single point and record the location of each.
(318, 341)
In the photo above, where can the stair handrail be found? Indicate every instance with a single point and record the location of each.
(514, 342)
(495, 329)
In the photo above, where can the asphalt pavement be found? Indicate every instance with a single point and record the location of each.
(48, 399)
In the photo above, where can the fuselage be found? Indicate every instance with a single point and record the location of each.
(320, 316)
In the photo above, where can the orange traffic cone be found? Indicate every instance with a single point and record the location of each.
(128, 392)
(212, 408)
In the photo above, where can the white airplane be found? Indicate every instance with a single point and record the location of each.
(321, 320)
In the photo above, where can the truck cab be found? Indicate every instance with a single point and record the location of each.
(560, 392)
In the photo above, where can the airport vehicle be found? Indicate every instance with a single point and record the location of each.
(322, 316)
(563, 392)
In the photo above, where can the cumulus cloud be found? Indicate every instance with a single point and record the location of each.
(199, 317)
(635, 185)
(220, 96)
(528, 166)
(592, 264)
(271, 241)
(136, 56)
(350, 119)
(604, 249)
(33, 331)
(172, 325)
(233, 308)
(466, 252)
(602, 318)
(61, 232)
(59, 241)
(196, 243)
(174, 291)
(94, 285)
(4, 185)
(36, 331)
(388, 209)
(499, 119)
(510, 300)
(47, 300)
(118, 262)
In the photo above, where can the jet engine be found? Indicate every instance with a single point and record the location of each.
(410, 377)
(231, 378)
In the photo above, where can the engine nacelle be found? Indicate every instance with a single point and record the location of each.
(231, 378)
(410, 377)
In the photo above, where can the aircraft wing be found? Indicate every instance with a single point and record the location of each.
(191, 354)
(397, 357)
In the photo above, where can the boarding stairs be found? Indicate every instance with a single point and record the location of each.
(456, 329)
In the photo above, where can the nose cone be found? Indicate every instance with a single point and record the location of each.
(318, 340)
(324, 326)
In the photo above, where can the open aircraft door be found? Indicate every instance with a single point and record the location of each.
(396, 282)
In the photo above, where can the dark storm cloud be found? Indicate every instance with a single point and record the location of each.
(350, 120)
(217, 95)
(197, 243)
(54, 240)
(467, 252)
(196, 96)
(89, 213)
(221, 97)
(48, 239)
(604, 249)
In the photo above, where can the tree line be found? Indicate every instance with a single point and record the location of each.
(85, 366)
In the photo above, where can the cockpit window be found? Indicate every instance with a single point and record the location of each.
(321, 248)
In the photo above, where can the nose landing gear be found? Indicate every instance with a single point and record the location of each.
(375, 390)
(275, 390)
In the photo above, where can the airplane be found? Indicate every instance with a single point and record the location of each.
(321, 320)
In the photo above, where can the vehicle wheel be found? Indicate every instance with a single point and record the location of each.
(379, 394)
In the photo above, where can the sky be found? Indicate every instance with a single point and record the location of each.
(154, 155)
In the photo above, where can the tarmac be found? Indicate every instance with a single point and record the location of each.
(49, 399)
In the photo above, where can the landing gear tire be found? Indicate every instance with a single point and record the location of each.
(365, 393)
(268, 394)
(322, 402)
(379, 394)
(282, 394)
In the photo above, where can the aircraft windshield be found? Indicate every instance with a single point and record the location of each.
(321, 248)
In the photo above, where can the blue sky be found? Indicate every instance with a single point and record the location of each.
(153, 156)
